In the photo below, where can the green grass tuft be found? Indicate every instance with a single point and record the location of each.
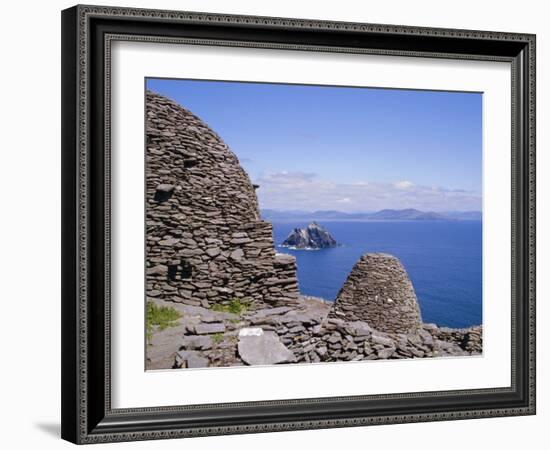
(160, 318)
(235, 306)
(217, 338)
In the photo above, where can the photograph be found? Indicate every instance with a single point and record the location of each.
(294, 224)
(277, 222)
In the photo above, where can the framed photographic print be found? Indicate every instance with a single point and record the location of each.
(281, 224)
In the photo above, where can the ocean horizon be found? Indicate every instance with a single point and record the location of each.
(443, 260)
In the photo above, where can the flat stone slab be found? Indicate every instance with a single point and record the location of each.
(272, 311)
(197, 342)
(181, 358)
(385, 353)
(261, 348)
(237, 255)
(196, 362)
(209, 328)
(359, 328)
(212, 252)
(211, 318)
(190, 360)
(298, 317)
(165, 187)
(244, 332)
(284, 258)
(163, 346)
(382, 340)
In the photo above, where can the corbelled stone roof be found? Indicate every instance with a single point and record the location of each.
(379, 292)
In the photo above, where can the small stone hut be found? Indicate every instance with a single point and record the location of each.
(205, 241)
(379, 292)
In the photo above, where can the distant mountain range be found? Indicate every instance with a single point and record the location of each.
(384, 214)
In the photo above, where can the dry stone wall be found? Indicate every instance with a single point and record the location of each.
(298, 334)
(206, 242)
(379, 292)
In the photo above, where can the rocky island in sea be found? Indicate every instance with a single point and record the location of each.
(313, 237)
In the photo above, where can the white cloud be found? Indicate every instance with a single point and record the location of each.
(345, 200)
(403, 184)
(307, 191)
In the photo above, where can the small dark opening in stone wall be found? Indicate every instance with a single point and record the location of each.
(163, 192)
(172, 271)
(180, 271)
(188, 163)
(186, 269)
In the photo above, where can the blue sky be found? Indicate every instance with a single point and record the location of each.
(351, 149)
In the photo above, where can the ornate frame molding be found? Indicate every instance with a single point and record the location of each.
(87, 421)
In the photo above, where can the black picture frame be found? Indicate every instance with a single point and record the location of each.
(87, 416)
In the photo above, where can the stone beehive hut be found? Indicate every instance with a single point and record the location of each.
(206, 242)
(379, 292)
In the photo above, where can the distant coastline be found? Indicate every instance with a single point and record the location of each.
(376, 216)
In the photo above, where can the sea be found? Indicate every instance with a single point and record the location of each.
(443, 260)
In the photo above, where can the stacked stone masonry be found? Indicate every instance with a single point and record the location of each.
(378, 291)
(299, 334)
(206, 242)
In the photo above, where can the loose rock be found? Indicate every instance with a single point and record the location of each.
(262, 348)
